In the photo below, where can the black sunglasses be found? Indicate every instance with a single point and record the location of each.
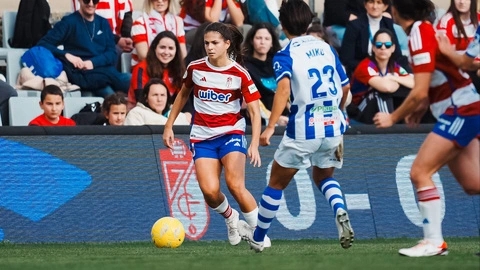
(86, 2)
(387, 44)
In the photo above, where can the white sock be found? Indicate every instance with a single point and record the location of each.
(430, 208)
(251, 217)
(224, 209)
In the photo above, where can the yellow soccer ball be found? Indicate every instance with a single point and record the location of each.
(168, 232)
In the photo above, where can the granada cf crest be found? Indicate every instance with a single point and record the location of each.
(185, 198)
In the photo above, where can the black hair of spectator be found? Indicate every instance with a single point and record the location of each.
(117, 98)
(194, 8)
(391, 60)
(248, 43)
(50, 90)
(295, 16)
(146, 91)
(318, 28)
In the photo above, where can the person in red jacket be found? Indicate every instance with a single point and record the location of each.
(51, 102)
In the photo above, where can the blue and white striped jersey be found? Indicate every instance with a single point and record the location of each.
(316, 79)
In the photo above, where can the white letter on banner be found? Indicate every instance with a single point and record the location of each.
(406, 192)
(306, 197)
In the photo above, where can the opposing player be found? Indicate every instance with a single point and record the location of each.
(218, 133)
(308, 72)
(454, 139)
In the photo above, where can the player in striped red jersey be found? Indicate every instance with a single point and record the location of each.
(218, 133)
(454, 140)
(115, 11)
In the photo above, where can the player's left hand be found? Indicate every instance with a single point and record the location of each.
(254, 156)
(383, 120)
(266, 135)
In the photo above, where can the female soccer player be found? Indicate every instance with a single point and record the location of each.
(309, 73)
(454, 139)
(218, 133)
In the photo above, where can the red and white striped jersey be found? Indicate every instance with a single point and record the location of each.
(112, 10)
(446, 25)
(146, 27)
(451, 90)
(218, 93)
(191, 23)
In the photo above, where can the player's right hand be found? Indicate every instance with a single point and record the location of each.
(266, 135)
(168, 137)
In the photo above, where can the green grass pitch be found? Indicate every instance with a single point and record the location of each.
(284, 254)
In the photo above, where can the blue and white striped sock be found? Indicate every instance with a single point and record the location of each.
(333, 193)
(267, 210)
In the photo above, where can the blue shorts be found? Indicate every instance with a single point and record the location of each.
(459, 129)
(217, 148)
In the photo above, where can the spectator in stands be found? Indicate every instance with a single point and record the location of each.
(119, 16)
(376, 79)
(51, 102)
(260, 45)
(164, 61)
(155, 19)
(114, 109)
(89, 54)
(197, 49)
(153, 107)
(317, 30)
(229, 11)
(459, 24)
(356, 43)
(6, 91)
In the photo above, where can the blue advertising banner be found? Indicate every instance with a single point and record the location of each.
(113, 187)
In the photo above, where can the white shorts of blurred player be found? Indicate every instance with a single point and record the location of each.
(302, 154)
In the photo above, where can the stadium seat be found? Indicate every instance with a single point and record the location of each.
(23, 109)
(14, 65)
(73, 105)
(126, 61)
(8, 26)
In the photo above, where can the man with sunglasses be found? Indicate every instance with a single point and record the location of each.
(89, 55)
(119, 16)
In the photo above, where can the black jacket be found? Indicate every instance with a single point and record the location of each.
(355, 42)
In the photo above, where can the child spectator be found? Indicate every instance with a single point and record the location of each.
(155, 19)
(51, 102)
(114, 109)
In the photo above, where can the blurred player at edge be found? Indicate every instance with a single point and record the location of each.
(456, 105)
(309, 72)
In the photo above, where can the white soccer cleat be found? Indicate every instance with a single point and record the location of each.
(233, 236)
(345, 231)
(267, 242)
(246, 232)
(425, 249)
